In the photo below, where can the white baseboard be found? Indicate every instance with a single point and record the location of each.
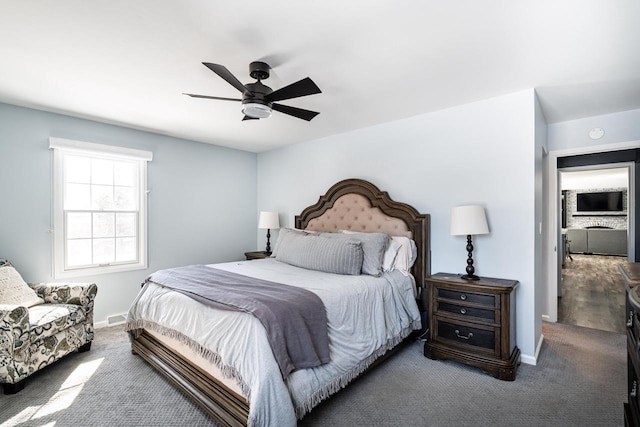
(533, 360)
(528, 360)
(98, 325)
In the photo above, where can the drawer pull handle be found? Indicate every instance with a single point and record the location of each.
(630, 319)
(463, 337)
(463, 310)
(463, 297)
(634, 389)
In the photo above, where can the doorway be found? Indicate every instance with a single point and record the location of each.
(628, 152)
(595, 203)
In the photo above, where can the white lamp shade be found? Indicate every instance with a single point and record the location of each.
(468, 220)
(269, 220)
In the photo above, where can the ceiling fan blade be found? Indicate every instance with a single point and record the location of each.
(249, 118)
(295, 112)
(193, 95)
(303, 87)
(222, 71)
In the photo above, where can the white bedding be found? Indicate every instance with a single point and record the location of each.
(366, 316)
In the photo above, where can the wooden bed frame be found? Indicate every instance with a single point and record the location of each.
(227, 407)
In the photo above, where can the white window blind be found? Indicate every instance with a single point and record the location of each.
(99, 209)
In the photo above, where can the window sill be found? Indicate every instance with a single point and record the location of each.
(95, 271)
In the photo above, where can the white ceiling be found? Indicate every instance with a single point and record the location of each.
(128, 62)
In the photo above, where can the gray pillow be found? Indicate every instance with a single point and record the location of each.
(315, 252)
(373, 247)
(282, 233)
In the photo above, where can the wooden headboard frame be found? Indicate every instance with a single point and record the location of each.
(417, 224)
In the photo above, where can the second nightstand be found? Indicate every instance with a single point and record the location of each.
(473, 322)
(257, 255)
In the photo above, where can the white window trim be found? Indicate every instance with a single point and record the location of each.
(92, 148)
(61, 146)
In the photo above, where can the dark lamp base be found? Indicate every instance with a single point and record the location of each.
(470, 269)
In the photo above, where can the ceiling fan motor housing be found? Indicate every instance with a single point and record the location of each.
(259, 70)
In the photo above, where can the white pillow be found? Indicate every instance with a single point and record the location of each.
(406, 256)
(389, 257)
(14, 290)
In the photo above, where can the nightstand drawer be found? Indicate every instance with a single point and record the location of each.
(472, 312)
(470, 297)
(467, 335)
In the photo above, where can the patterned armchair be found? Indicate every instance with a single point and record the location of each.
(32, 337)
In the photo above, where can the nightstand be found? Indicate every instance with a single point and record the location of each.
(257, 255)
(473, 322)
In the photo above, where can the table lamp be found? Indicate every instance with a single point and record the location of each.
(268, 220)
(469, 220)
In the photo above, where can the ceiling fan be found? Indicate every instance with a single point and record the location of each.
(259, 100)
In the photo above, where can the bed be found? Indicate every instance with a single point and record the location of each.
(233, 376)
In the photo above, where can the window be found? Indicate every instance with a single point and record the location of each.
(99, 208)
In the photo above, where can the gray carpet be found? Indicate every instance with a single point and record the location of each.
(580, 380)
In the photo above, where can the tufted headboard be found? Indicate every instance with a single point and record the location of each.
(354, 212)
(358, 205)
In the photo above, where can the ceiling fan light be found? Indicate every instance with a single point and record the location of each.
(255, 110)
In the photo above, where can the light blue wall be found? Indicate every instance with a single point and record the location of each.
(202, 205)
(483, 153)
(574, 134)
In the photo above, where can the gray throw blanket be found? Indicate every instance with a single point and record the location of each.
(295, 318)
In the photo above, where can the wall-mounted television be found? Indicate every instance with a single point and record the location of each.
(606, 201)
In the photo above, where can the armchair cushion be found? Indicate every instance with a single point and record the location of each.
(47, 319)
(14, 290)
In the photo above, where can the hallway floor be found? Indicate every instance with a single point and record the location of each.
(593, 293)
